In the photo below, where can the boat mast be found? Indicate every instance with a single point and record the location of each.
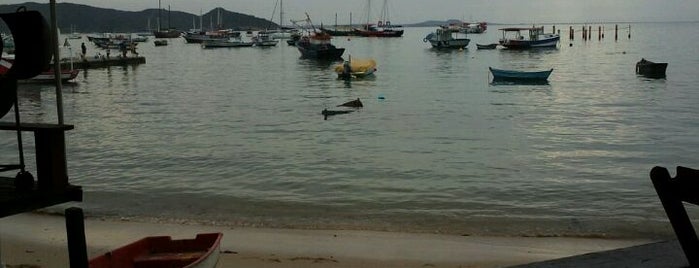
(281, 15)
(168, 18)
(159, 15)
(368, 13)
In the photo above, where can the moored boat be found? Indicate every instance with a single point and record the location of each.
(199, 37)
(49, 76)
(160, 42)
(488, 46)
(44, 77)
(383, 28)
(356, 68)
(170, 32)
(512, 38)
(316, 44)
(162, 251)
(447, 38)
(651, 69)
(231, 42)
(512, 75)
(263, 39)
(474, 28)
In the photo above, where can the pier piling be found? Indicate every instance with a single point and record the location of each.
(571, 34)
(629, 31)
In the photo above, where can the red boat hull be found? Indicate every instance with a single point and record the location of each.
(162, 251)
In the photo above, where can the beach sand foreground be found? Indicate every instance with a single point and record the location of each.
(40, 240)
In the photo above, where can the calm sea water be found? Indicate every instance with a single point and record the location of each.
(235, 136)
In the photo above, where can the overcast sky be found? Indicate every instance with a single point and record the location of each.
(411, 11)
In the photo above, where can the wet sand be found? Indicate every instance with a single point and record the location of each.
(40, 240)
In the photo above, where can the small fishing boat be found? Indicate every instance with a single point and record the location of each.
(651, 69)
(161, 251)
(488, 46)
(43, 77)
(316, 44)
(383, 28)
(231, 42)
(263, 39)
(160, 42)
(49, 76)
(447, 38)
(512, 38)
(511, 75)
(356, 68)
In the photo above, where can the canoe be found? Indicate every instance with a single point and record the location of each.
(488, 46)
(510, 75)
(162, 251)
(651, 69)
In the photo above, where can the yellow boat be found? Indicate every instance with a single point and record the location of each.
(355, 68)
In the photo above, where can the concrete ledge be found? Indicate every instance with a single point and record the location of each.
(666, 254)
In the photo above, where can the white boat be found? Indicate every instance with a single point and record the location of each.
(264, 40)
(447, 38)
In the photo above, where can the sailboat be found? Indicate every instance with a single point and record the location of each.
(347, 31)
(169, 33)
(383, 28)
(282, 32)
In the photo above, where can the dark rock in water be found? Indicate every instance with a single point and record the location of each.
(355, 103)
(327, 113)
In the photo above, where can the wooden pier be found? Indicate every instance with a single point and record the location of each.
(102, 62)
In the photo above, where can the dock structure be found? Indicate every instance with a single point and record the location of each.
(102, 62)
(665, 254)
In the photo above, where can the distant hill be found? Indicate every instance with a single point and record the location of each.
(437, 23)
(88, 19)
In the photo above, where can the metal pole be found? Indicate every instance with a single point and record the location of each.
(56, 63)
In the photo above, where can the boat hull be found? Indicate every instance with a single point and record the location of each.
(226, 44)
(161, 251)
(167, 34)
(339, 32)
(159, 43)
(489, 46)
(651, 69)
(331, 53)
(526, 44)
(510, 75)
(49, 76)
(450, 44)
(380, 33)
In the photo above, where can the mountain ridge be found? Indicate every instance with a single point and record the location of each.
(86, 19)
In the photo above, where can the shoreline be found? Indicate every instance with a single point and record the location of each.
(39, 239)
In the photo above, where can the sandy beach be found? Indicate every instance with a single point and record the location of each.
(40, 240)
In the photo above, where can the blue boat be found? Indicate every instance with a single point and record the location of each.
(510, 75)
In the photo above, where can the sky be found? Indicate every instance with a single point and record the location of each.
(413, 11)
